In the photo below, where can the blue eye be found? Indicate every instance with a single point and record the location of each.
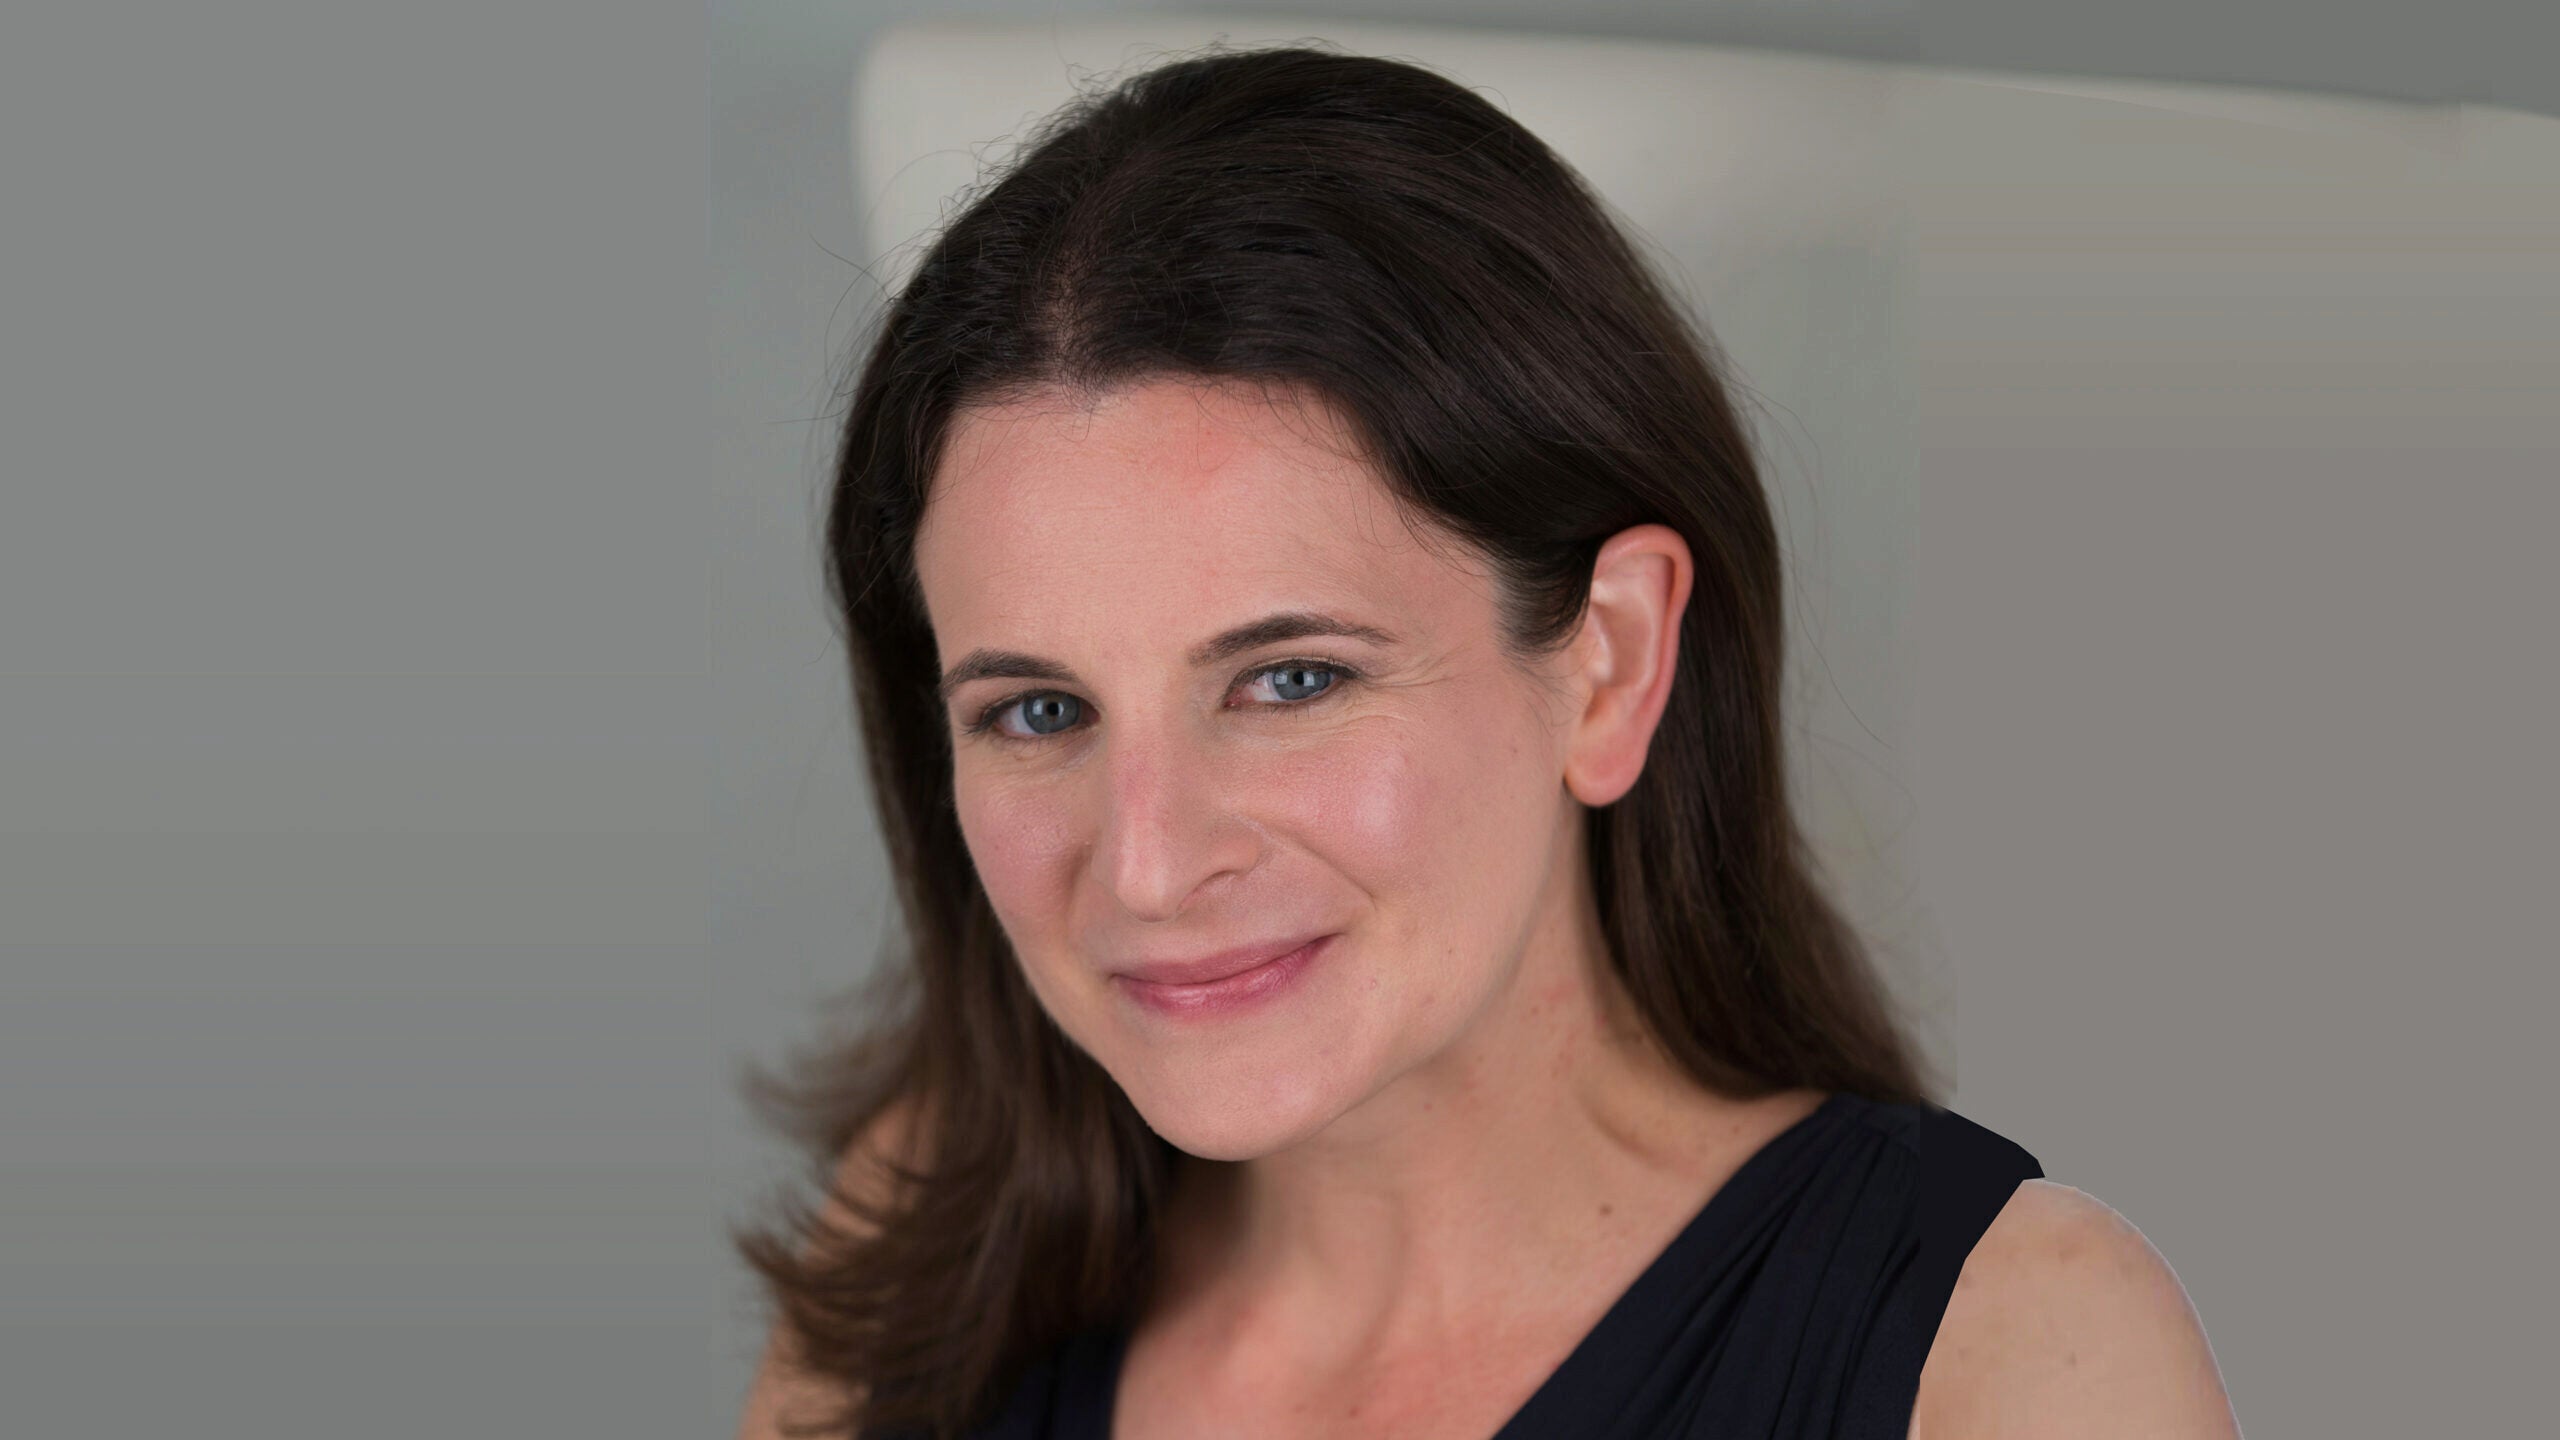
(1299, 684)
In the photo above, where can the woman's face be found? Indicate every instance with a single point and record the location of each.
(1139, 794)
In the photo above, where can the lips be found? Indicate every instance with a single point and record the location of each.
(1253, 977)
(1202, 970)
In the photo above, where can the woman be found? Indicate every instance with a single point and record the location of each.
(1316, 626)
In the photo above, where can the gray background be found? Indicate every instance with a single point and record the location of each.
(424, 770)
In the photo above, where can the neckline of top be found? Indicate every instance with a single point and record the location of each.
(1722, 1209)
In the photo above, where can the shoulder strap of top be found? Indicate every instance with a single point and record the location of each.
(1966, 1174)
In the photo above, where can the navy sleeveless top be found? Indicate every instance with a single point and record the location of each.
(1798, 1304)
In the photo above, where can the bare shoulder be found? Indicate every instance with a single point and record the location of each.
(783, 1389)
(2067, 1322)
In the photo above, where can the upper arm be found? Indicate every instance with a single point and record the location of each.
(2066, 1322)
(782, 1388)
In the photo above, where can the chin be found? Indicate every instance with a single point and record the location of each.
(1231, 1119)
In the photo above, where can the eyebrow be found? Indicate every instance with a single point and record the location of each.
(986, 664)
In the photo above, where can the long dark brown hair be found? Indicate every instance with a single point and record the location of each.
(1378, 235)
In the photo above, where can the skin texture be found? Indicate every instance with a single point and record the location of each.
(2066, 1322)
(1425, 1170)
(1451, 1128)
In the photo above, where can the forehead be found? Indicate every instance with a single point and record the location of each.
(1173, 493)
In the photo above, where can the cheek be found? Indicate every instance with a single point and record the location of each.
(1365, 804)
(1018, 837)
(1443, 807)
(1436, 829)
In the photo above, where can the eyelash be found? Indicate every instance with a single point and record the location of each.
(1342, 675)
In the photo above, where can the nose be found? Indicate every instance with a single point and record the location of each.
(1168, 829)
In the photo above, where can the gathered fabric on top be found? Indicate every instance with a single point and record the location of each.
(1799, 1303)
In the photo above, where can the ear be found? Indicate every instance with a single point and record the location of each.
(1626, 654)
